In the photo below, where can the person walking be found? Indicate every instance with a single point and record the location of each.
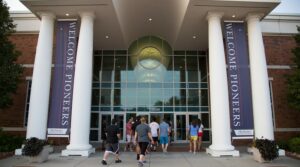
(193, 133)
(113, 136)
(164, 130)
(154, 132)
(142, 136)
(128, 145)
(200, 134)
(134, 125)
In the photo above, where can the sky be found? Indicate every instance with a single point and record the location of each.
(286, 6)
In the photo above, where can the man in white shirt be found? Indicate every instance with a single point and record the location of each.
(154, 131)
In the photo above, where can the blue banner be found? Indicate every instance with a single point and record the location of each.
(59, 120)
(238, 80)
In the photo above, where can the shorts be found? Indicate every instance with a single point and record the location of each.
(128, 137)
(143, 146)
(194, 138)
(155, 139)
(200, 134)
(164, 140)
(112, 148)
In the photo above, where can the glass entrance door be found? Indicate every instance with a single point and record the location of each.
(104, 122)
(182, 122)
(120, 124)
(180, 128)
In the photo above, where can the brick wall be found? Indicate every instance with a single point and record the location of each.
(14, 116)
(278, 52)
(26, 43)
(278, 49)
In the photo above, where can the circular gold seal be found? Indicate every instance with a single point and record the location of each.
(149, 58)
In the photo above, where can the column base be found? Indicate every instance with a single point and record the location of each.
(85, 153)
(18, 151)
(219, 153)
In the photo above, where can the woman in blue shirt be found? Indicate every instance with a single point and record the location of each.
(193, 133)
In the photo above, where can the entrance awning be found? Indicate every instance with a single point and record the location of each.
(180, 22)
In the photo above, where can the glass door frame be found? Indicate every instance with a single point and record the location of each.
(112, 115)
(100, 124)
(187, 121)
(124, 125)
(175, 126)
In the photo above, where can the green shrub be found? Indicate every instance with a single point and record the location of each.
(9, 143)
(33, 146)
(283, 144)
(267, 148)
(294, 144)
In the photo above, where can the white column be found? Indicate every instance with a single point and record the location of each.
(81, 109)
(262, 113)
(220, 120)
(40, 88)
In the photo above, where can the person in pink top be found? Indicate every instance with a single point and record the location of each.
(128, 135)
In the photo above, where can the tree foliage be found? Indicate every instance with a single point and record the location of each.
(10, 72)
(294, 79)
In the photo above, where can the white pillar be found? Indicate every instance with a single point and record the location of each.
(81, 109)
(262, 113)
(40, 88)
(220, 120)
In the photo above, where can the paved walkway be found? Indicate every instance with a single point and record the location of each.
(156, 159)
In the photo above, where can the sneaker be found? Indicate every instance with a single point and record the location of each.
(104, 162)
(140, 164)
(118, 161)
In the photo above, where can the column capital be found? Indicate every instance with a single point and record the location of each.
(47, 14)
(214, 14)
(256, 16)
(87, 14)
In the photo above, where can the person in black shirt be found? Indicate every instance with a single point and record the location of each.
(113, 135)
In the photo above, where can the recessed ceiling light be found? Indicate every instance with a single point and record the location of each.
(106, 36)
(150, 19)
(194, 37)
(67, 14)
(233, 16)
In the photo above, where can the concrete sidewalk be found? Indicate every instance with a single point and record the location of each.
(158, 159)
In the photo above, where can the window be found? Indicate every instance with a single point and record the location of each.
(29, 81)
(272, 104)
(120, 88)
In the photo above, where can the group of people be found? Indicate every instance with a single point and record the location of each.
(138, 134)
(141, 135)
